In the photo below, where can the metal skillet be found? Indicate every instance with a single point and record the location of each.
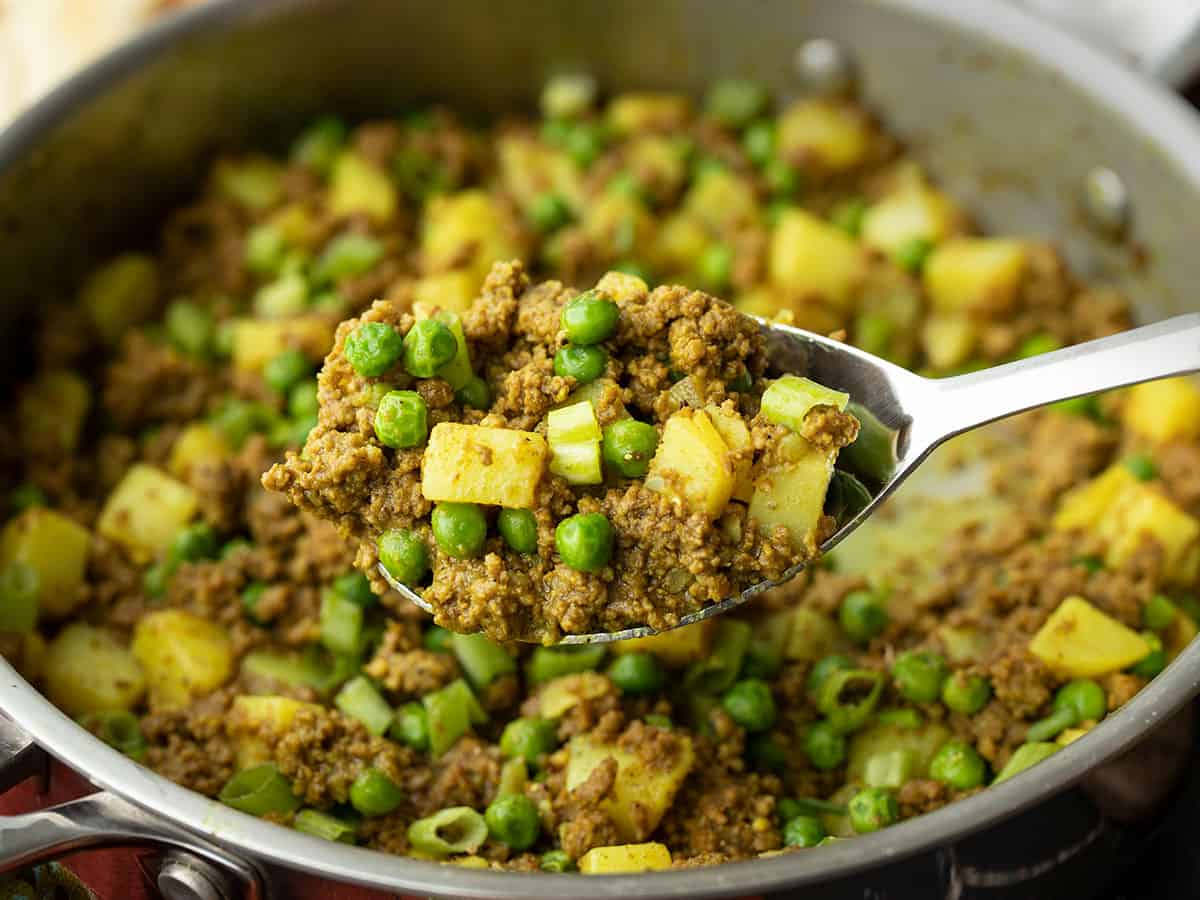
(905, 417)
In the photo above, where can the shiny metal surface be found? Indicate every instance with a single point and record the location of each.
(906, 417)
(1008, 112)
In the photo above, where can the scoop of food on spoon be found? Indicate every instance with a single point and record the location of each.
(904, 416)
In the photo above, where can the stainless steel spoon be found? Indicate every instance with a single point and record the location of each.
(904, 416)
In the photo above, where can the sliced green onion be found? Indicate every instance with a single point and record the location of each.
(1026, 756)
(360, 699)
(458, 829)
(848, 697)
(458, 372)
(323, 825)
(890, 768)
(260, 790)
(719, 670)
(481, 660)
(119, 729)
(547, 663)
(787, 400)
(901, 718)
(345, 256)
(451, 712)
(513, 775)
(341, 623)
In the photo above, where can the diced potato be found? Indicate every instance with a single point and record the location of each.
(183, 656)
(836, 136)
(253, 718)
(120, 294)
(808, 256)
(477, 464)
(974, 274)
(198, 442)
(736, 436)
(467, 223)
(57, 549)
(764, 302)
(357, 186)
(948, 339)
(469, 862)
(1079, 641)
(813, 636)
(145, 511)
(634, 113)
(297, 224)
(884, 755)
(915, 213)
(675, 648)
(659, 161)
(561, 694)
(622, 287)
(965, 644)
(618, 223)
(1163, 410)
(52, 410)
(679, 243)
(792, 493)
(625, 858)
(255, 182)
(257, 341)
(455, 291)
(721, 200)
(692, 464)
(88, 670)
(1138, 512)
(1179, 634)
(529, 169)
(641, 794)
(1084, 506)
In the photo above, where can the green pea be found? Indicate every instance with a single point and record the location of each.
(190, 327)
(318, 145)
(403, 554)
(402, 419)
(519, 529)
(556, 861)
(783, 181)
(548, 212)
(475, 394)
(374, 794)
(583, 142)
(966, 694)
(848, 215)
(528, 739)
(628, 446)
(803, 831)
(1142, 466)
(357, 587)
(266, 247)
(919, 675)
(911, 254)
(715, 266)
(460, 529)
(345, 256)
(302, 400)
(584, 541)
(513, 820)
(193, 543)
(871, 809)
(589, 318)
(750, 704)
(1158, 613)
(825, 746)
(373, 348)
(825, 667)
(156, 579)
(1037, 344)
(1086, 407)
(1154, 661)
(286, 370)
(411, 726)
(735, 102)
(759, 141)
(637, 673)
(584, 364)
(863, 616)
(438, 639)
(1085, 698)
(959, 766)
(250, 597)
(428, 346)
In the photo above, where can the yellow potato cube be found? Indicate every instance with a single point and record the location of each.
(625, 858)
(633, 113)
(721, 200)
(455, 291)
(808, 256)
(1163, 410)
(618, 223)
(813, 636)
(692, 464)
(198, 442)
(52, 410)
(1079, 641)
(1084, 506)
(358, 186)
(621, 287)
(1070, 736)
(254, 182)
(252, 719)
(915, 213)
(974, 274)
(56, 548)
(836, 136)
(529, 169)
(641, 794)
(736, 436)
(948, 339)
(1179, 634)
(257, 341)
(1139, 512)
(184, 657)
(764, 302)
(120, 294)
(145, 511)
(675, 648)
(680, 241)
(477, 464)
(792, 493)
(465, 231)
(88, 670)
(561, 694)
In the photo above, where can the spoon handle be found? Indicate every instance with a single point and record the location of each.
(1170, 347)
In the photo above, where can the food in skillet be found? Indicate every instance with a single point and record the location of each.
(618, 460)
(224, 638)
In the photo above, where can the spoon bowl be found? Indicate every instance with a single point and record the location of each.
(904, 416)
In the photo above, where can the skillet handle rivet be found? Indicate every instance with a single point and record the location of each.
(186, 877)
